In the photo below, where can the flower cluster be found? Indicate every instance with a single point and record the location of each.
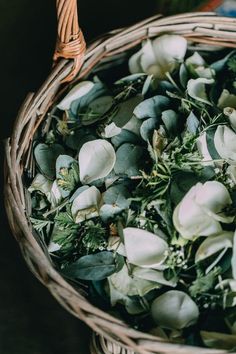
(135, 191)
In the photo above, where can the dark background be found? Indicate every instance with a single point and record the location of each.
(31, 321)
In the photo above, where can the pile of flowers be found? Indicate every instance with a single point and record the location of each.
(134, 194)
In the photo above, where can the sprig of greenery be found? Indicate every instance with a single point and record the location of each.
(69, 177)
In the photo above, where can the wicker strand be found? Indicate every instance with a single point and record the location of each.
(70, 40)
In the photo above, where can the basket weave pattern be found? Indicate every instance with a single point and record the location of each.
(204, 28)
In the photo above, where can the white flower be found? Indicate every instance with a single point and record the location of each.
(144, 248)
(197, 64)
(203, 149)
(159, 56)
(174, 310)
(224, 140)
(200, 211)
(231, 114)
(226, 99)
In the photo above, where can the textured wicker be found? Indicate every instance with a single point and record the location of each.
(198, 27)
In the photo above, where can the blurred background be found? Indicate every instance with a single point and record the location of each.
(31, 321)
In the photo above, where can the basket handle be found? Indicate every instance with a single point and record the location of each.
(70, 40)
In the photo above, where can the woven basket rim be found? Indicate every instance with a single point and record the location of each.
(198, 27)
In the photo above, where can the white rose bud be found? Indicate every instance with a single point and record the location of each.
(224, 141)
(174, 310)
(159, 56)
(200, 211)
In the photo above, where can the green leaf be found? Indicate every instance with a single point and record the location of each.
(125, 136)
(128, 160)
(108, 212)
(183, 75)
(97, 109)
(46, 156)
(92, 267)
(125, 110)
(117, 195)
(221, 63)
(78, 139)
(181, 183)
(147, 128)
(152, 107)
(171, 121)
(192, 123)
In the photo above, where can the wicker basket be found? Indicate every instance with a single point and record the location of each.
(207, 28)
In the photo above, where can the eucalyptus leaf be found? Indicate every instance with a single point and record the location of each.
(79, 137)
(125, 136)
(117, 195)
(108, 212)
(152, 107)
(96, 160)
(147, 128)
(183, 75)
(128, 160)
(171, 121)
(46, 156)
(92, 267)
(63, 161)
(125, 110)
(181, 183)
(221, 63)
(97, 109)
(192, 123)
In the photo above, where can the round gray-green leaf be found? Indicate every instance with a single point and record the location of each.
(147, 128)
(152, 107)
(97, 266)
(117, 195)
(63, 161)
(125, 136)
(46, 156)
(125, 110)
(128, 160)
(96, 160)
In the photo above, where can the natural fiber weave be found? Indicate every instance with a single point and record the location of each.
(204, 28)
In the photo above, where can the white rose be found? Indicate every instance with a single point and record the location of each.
(200, 211)
(224, 140)
(159, 56)
(174, 310)
(203, 149)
